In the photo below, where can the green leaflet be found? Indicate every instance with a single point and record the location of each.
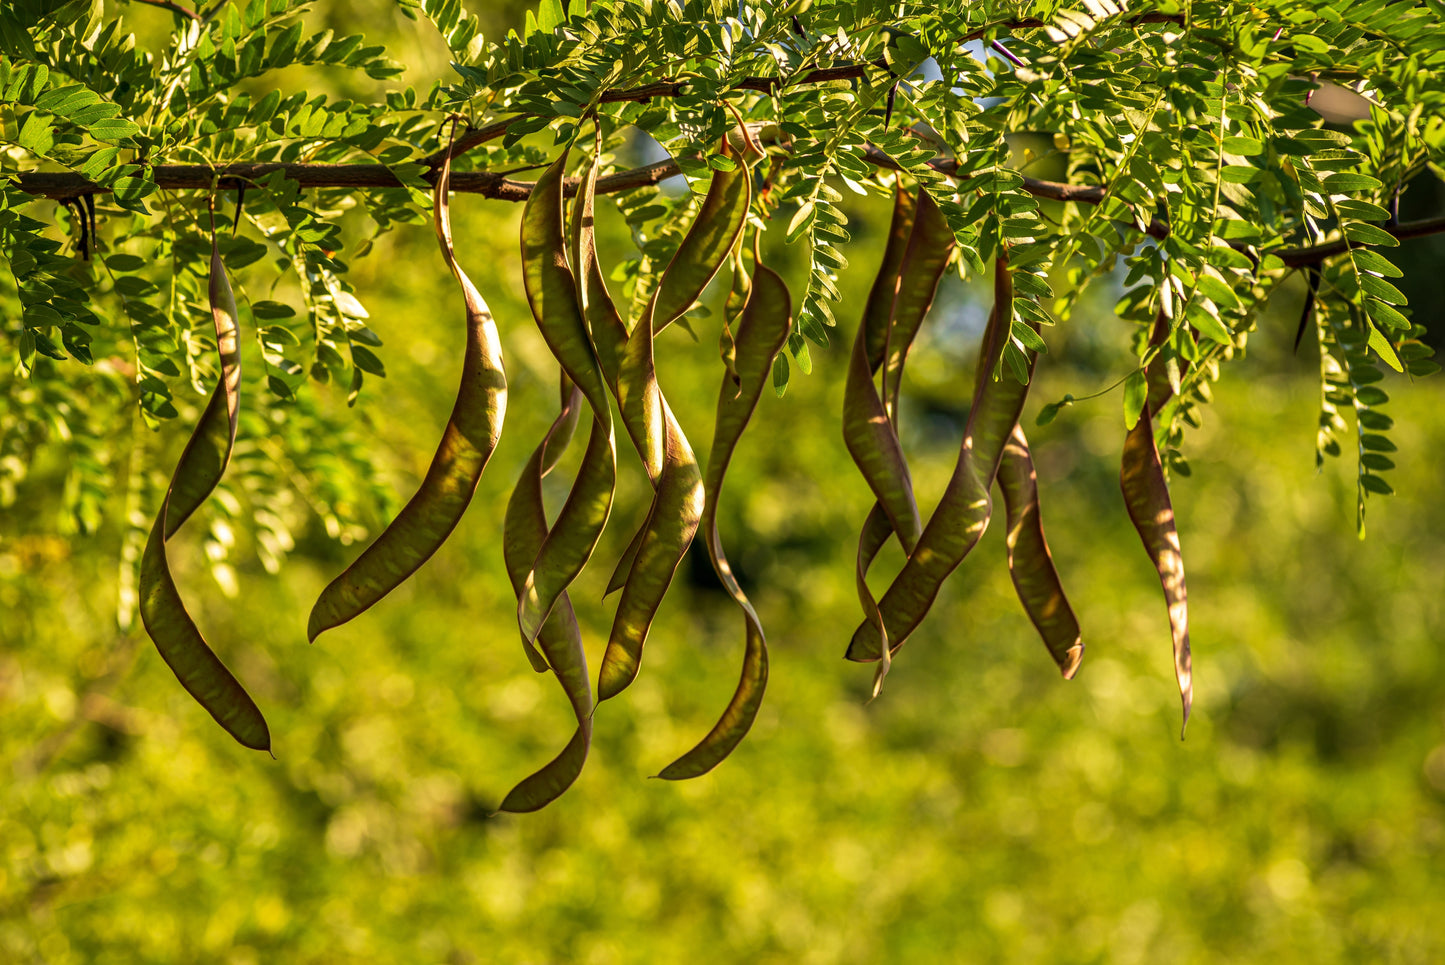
(559, 638)
(467, 443)
(556, 297)
(1029, 561)
(963, 512)
(200, 467)
(762, 332)
(1146, 496)
(653, 557)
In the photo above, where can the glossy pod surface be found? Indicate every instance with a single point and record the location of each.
(965, 508)
(467, 443)
(1030, 563)
(559, 638)
(762, 331)
(678, 499)
(201, 465)
(1146, 496)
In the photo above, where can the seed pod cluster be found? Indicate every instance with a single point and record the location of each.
(606, 373)
(993, 448)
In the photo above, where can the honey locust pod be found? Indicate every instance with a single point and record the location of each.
(762, 331)
(963, 512)
(678, 497)
(202, 463)
(1146, 496)
(467, 443)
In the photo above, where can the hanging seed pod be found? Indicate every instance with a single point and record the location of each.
(1146, 496)
(918, 249)
(762, 332)
(559, 637)
(678, 500)
(555, 297)
(470, 437)
(963, 513)
(1030, 563)
(200, 468)
(868, 431)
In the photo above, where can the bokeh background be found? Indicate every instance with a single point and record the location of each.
(981, 810)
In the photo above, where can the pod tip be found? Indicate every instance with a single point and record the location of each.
(1073, 657)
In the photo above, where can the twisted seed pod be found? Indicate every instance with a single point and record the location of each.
(559, 638)
(1146, 496)
(713, 235)
(555, 296)
(919, 246)
(470, 437)
(733, 306)
(1029, 561)
(201, 465)
(678, 500)
(868, 432)
(964, 511)
(762, 332)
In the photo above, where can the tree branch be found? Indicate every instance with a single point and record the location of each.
(67, 186)
(1299, 257)
(172, 6)
(763, 85)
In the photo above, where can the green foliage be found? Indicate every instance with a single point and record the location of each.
(1200, 160)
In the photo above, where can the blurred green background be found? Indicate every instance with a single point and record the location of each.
(981, 810)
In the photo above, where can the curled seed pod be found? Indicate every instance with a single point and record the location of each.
(678, 499)
(868, 432)
(878, 311)
(1029, 561)
(762, 332)
(1146, 496)
(559, 638)
(964, 511)
(555, 296)
(733, 306)
(871, 540)
(470, 437)
(643, 417)
(930, 245)
(519, 542)
(201, 465)
(665, 536)
(712, 236)
(919, 246)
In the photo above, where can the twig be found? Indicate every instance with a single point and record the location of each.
(172, 6)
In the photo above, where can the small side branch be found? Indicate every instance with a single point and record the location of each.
(1313, 255)
(172, 6)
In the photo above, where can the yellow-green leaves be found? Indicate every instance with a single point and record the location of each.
(467, 443)
(201, 465)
